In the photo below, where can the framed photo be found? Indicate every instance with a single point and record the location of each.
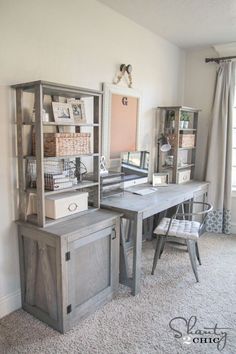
(78, 110)
(160, 179)
(62, 112)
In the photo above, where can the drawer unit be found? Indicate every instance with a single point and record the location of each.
(183, 176)
(62, 204)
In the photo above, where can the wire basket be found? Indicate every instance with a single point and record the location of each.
(58, 174)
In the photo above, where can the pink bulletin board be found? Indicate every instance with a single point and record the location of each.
(124, 120)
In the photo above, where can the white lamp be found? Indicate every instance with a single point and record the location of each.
(164, 144)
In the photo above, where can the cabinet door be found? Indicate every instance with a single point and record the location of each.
(93, 271)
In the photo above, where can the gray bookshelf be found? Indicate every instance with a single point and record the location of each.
(39, 90)
(169, 125)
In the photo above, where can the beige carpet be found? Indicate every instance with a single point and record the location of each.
(140, 325)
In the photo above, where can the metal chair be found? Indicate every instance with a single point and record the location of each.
(181, 226)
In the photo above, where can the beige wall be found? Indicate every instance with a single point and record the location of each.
(199, 89)
(79, 43)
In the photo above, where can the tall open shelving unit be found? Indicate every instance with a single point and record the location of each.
(169, 127)
(69, 267)
(39, 91)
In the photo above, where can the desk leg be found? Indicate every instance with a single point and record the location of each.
(137, 253)
(124, 275)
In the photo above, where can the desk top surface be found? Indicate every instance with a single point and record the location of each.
(162, 199)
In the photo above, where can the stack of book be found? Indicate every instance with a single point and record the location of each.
(54, 182)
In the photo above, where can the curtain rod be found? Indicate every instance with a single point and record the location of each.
(217, 60)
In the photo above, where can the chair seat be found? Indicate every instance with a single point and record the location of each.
(179, 228)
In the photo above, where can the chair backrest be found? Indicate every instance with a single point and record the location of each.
(206, 208)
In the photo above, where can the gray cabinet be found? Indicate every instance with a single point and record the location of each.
(69, 270)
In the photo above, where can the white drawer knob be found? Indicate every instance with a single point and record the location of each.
(72, 207)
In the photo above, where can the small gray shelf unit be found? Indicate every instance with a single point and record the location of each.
(169, 125)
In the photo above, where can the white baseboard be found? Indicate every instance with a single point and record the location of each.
(10, 303)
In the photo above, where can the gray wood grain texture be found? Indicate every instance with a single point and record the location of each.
(21, 173)
(49, 279)
(31, 266)
(39, 155)
(52, 88)
(82, 224)
(137, 208)
(162, 199)
(86, 280)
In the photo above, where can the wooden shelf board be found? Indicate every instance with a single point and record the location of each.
(52, 88)
(64, 124)
(29, 157)
(187, 166)
(33, 217)
(188, 129)
(84, 184)
(187, 148)
(182, 108)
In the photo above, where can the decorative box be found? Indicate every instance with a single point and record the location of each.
(65, 144)
(186, 140)
(183, 176)
(63, 204)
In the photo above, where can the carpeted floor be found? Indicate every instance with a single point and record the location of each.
(140, 325)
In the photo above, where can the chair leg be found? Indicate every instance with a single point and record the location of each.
(198, 254)
(192, 255)
(162, 246)
(157, 252)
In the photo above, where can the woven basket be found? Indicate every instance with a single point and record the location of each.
(65, 144)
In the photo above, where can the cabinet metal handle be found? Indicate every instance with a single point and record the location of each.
(113, 234)
(72, 207)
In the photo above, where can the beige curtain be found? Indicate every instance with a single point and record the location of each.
(219, 157)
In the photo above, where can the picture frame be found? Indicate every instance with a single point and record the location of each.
(78, 109)
(160, 179)
(62, 112)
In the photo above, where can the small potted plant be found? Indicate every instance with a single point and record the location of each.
(184, 120)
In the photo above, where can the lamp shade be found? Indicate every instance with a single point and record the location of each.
(165, 147)
(164, 143)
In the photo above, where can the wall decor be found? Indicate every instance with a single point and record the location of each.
(123, 69)
(121, 107)
(62, 112)
(160, 179)
(78, 110)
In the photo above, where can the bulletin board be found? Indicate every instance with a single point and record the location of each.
(123, 134)
(120, 122)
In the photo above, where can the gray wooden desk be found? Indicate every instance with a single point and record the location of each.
(137, 208)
